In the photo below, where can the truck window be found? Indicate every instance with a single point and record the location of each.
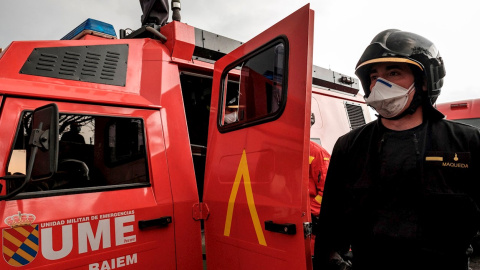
(95, 152)
(254, 88)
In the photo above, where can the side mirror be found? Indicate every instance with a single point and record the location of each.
(43, 160)
(45, 137)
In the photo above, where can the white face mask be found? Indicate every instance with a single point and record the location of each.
(387, 98)
(231, 117)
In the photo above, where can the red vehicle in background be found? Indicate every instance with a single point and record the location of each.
(150, 162)
(464, 111)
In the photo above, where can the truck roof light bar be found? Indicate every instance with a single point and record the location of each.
(93, 27)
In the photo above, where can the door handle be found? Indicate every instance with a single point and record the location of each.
(285, 228)
(159, 222)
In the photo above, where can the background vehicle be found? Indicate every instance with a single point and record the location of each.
(337, 105)
(464, 111)
(158, 162)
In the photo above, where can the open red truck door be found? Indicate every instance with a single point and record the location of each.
(257, 159)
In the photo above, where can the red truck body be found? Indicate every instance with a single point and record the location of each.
(465, 111)
(143, 187)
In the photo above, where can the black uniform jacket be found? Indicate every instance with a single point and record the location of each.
(428, 218)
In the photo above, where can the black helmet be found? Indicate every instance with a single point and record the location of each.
(393, 45)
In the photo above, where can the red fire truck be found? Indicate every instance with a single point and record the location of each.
(120, 153)
(464, 111)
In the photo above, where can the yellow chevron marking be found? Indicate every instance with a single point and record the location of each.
(242, 172)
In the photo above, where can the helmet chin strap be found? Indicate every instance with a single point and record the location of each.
(416, 102)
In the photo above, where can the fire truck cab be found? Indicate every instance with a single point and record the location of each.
(122, 153)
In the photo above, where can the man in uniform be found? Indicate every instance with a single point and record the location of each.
(402, 192)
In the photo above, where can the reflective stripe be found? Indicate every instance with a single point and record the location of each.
(390, 59)
(310, 159)
(318, 198)
(433, 158)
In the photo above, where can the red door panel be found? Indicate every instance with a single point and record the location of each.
(256, 177)
(90, 229)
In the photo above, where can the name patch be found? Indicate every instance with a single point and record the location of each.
(458, 160)
(455, 165)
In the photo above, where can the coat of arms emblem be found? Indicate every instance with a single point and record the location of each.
(20, 241)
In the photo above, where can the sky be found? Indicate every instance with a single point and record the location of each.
(343, 28)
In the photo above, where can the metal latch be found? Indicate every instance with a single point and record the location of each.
(200, 211)
(307, 229)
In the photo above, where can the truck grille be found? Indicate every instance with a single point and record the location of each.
(105, 64)
(355, 115)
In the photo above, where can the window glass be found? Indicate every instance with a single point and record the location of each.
(94, 151)
(255, 88)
